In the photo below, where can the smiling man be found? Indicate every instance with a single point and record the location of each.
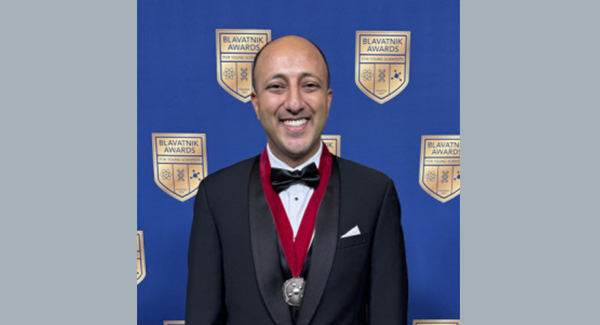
(292, 98)
(296, 235)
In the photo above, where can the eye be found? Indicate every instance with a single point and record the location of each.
(311, 86)
(276, 87)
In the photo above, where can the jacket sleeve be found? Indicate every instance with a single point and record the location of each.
(205, 302)
(388, 296)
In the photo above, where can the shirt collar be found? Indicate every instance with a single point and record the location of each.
(276, 163)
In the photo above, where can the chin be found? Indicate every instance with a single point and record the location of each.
(297, 153)
(300, 150)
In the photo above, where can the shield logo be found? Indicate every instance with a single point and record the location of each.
(333, 143)
(436, 322)
(141, 257)
(382, 63)
(179, 163)
(439, 173)
(236, 49)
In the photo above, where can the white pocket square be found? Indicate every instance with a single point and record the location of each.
(352, 232)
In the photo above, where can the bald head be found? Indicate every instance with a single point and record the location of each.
(290, 42)
(291, 97)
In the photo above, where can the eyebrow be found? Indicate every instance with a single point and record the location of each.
(302, 76)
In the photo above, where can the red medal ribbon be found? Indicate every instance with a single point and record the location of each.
(295, 251)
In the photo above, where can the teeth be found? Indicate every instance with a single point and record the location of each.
(295, 123)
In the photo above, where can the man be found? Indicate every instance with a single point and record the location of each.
(321, 245)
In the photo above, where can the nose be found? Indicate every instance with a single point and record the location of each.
(294, 102)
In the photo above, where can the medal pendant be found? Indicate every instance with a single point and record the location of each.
(293, 291)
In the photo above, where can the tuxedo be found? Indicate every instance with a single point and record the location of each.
(234, 266)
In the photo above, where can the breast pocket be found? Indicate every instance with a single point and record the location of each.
(353, 241)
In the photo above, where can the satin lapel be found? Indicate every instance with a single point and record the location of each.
(323, 247)
(264, 250)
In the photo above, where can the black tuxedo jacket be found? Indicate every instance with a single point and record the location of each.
(235, 275)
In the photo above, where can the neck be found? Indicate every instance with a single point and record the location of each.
(294, 161)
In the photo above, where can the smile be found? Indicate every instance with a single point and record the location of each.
(295, 123)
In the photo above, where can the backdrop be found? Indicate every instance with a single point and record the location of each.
(395, 79)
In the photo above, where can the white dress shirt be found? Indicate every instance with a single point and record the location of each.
(295, 198)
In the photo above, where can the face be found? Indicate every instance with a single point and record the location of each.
(291, 98)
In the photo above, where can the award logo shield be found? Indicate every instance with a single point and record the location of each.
(141, 257)
(333, 143)
(439, 173)
(382, 63)
(236, 49)
(179, 163)
(436, 322)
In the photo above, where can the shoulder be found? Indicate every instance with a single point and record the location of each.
(349, 167)
(233, 175)
(358, 176)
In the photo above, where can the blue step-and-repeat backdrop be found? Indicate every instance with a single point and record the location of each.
(395, 79)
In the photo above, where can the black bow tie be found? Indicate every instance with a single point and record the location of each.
(283, 178)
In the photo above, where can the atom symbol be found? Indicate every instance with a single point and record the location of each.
(367, 75)
(430, 176)
(165, 174)
(229, 73)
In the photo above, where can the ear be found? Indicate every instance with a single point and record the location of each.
(329, 96)
(254, 100)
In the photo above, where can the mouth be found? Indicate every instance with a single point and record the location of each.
(295, 123)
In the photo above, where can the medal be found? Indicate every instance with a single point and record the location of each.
(293, 291)
(295, 250)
